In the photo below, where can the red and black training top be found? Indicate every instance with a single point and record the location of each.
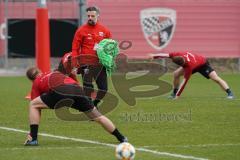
(85, 43)
(48, 81)
(192, 62)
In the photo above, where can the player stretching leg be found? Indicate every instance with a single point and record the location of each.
(50, 88)
(191, 63)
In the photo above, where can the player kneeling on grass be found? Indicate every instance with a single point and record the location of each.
(50, 88)
(191, 63)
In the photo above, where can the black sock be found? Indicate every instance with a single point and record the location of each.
(95, 102)
(118, 135)
(34, 131)
(175, 90)
(228, 91)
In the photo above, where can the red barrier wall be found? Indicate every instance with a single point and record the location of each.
(209, 27)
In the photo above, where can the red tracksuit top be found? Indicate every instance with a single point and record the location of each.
(85, 40)
(48, 81)
(192, 61)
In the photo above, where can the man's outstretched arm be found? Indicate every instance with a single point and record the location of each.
(159, 55)
(182, 86)
(187, 75)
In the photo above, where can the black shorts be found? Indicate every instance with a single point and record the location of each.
(204, 70)
(67, 96)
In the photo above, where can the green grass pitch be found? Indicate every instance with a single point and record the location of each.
(201, 124)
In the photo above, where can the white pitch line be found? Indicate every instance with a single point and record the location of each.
(170, 154)
(46, 148)
(107, 144)
(197, 145)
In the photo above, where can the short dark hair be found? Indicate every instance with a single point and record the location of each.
(178, 60)
(32, 73)
(93, 8)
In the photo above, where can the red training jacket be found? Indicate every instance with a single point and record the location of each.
(85, 42)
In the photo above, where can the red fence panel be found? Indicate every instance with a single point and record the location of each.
(209, 27)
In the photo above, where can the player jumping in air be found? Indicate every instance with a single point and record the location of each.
(189, 64)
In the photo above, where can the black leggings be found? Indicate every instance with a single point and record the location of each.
(98, 73)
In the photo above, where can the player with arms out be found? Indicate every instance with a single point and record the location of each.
(191, 63)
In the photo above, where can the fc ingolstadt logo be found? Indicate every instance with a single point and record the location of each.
(158, 26)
